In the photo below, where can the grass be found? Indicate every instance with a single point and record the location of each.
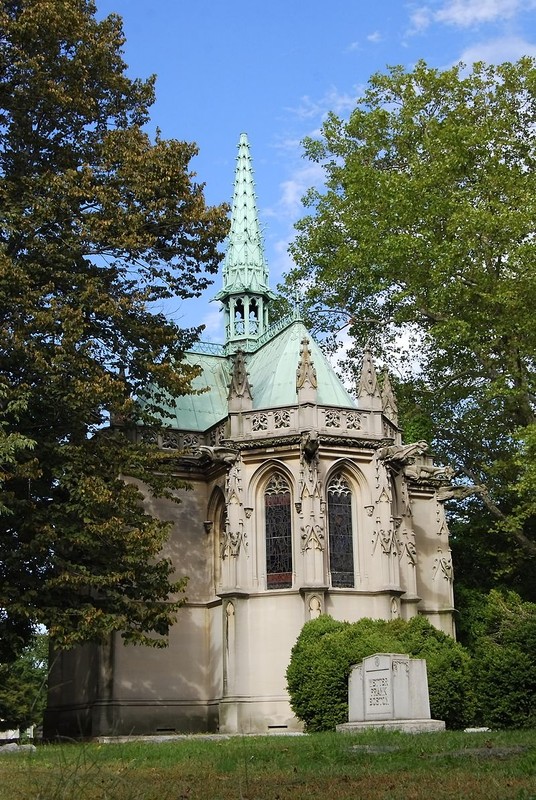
(372, 766)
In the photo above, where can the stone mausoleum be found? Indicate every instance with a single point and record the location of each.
(304, 501)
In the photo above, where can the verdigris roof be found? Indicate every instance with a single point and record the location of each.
(199, 412)
(272, 377)
(272, 371)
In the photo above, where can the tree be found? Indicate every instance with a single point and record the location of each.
(425, 230)
(98, 223)
(23, 685)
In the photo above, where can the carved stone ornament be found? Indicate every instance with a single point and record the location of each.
(239, 386)
(281, 419)
(443, 566)
(306, 373)
(315, 607)
(406, 545)
(353, 421)
(368, 381)
(310, 484)
(387, 540)
(399, 454)
(312, 538)
(442, 527)
(231, 543)
(389, 404)
(309, 444)
(219, 454)
(233, 482)
(459, 492)
(426, 472)
(170, 440)
(259, 422)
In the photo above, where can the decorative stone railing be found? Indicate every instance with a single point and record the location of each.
(182, 441)
(263, 424)
(324, 419)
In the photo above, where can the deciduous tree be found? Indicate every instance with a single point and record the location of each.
(98, 223)
(425, 233)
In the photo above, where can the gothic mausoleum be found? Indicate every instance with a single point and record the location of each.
(304, 501)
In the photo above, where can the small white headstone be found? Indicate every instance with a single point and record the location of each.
(390, 690)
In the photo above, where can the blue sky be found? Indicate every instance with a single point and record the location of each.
(274, 69)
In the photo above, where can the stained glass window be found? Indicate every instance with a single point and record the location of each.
(341, 546)
(278, 534)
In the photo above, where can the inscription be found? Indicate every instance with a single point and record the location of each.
(378, 692)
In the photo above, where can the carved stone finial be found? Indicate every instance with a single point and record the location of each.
(368, 390)
(306, 373)
(368, 381)
(239, 386)
(389, 404)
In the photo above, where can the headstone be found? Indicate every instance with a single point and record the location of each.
(390, 690)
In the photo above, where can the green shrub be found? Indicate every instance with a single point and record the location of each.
(504, 662)
(505, 685)
(325, 651)
(311, 675)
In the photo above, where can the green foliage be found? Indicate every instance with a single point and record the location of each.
(97, 224)
(425, 233)
(319, 667)
(325, 651)
(23, 685)
(504, 661)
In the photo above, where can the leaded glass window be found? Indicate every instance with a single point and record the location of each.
(341, 545)
(278, 534)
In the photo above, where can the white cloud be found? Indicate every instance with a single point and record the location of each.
(374, 37)
(468, 13)
(288, 144)
(286, 211)
(333, 100)
(420, 19)
(293, 189)
(496, 51)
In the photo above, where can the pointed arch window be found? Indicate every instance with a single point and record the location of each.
(277, 511)
(340, 527)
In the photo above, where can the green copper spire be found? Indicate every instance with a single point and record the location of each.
(245, 293)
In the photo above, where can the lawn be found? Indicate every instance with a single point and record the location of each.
(329, 766)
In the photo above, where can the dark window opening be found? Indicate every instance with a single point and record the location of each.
(278, 534)
(341, 544)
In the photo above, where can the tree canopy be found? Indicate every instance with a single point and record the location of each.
(23, 686)
(424, 232)
(98, 224)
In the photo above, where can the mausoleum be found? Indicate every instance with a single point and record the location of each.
(304, 501)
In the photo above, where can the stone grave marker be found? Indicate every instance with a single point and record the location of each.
(389, 690)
